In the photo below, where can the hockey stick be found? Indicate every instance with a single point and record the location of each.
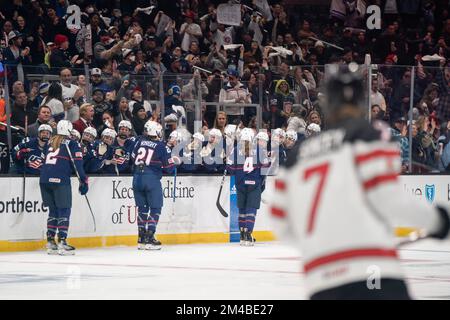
(218, 205)
(12, 127)
(173, 198)
(24, 178)
(79, 179)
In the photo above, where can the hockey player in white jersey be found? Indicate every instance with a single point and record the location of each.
(339, 199)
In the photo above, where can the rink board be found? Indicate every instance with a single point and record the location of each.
(195, 219)
(192, 218)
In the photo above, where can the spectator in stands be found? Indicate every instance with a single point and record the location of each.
(304, 82)
(100, 106)
(189, 31)
(22, 112)
(86, 118)
(156, 67)
(140, 117)
(44, 116)
(314, 117)
(128, 64)
(234, 92)
(221, 122)
(284, 99)
(59, 57)
(54, 101)
(399, 133)
(97, 81)
(16, 56)
(376, 113)
(72, 95)
(108, 122)
(376, 96)
(124, 111)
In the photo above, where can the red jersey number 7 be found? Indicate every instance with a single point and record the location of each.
(322, 172)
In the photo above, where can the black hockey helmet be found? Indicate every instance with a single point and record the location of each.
(344, 87)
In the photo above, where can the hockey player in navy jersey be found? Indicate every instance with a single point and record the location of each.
(56, 188)
(213, 152)
(192, 161)
(121, 150)
(91, 163)
(104, 153)
(150, 158)
(75, 135)
(29, 155)
(246, 163)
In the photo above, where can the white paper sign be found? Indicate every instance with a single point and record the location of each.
(232, 46)
(163, 23)
(264, 8)
(229, 14)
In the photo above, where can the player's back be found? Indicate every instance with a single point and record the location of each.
(151, 157)
(322, 198)
(58, 166)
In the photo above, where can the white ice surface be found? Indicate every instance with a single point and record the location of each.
(268, 271)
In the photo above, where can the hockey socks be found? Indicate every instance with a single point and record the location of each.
(63, 222)
(242, 215)
(148, 221)
(52, 223)
(250, 217)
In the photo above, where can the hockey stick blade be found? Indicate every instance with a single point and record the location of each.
(219, 207)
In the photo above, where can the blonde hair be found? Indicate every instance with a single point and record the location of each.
(83, 108)
(56, 141)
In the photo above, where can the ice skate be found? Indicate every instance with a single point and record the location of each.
(52, 247)
(141, 241)
(151, 243)
(249, 240)
(64, 249)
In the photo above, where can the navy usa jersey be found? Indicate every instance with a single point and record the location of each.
(122, 155)
(58, 167)
(248, 170)
(152, 157)
(29, 156)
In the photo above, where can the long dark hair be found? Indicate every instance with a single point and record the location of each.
(54, 92)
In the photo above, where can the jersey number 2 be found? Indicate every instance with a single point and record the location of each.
(52, 157)
(322, 172)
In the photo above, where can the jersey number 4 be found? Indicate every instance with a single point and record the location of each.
(322, 172)
(144, 156)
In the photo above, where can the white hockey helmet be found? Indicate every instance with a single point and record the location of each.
(45, 127)
(291, 135)
(126, 124)
(262, 135)
(199, 136)
(175, 135)
(64, 128)
(215, 133)
(109, 133)
(153, 128)
(279, 133)
(230, 130)
(247, 134)
(312, 129)
(75, 134)
(91, 131)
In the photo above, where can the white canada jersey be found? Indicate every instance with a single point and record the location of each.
(340, 200)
